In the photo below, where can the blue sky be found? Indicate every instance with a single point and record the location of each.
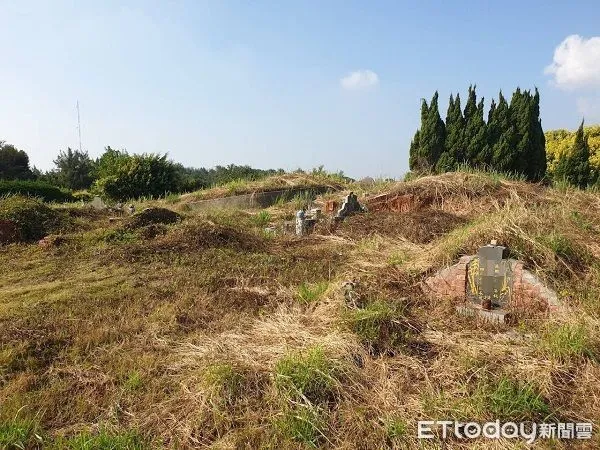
(262, 83)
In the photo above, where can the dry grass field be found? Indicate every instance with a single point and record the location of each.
(209, 332)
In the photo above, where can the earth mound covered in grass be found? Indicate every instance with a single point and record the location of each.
(152, 216)
(27, 218)
(420, 226)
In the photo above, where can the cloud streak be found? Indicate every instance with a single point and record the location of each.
(576, 63)
(359, 79)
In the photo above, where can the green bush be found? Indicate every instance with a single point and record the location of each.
(41, 189)
(83, 196)
(139, 175)
(33, 218)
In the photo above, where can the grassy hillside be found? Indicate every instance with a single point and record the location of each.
(209, 332)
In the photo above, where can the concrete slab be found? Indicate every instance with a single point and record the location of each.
(497, 316)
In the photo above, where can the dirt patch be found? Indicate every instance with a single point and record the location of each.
(9, 232)
(207, 234)
(417, 226)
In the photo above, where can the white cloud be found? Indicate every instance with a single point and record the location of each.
(576, 63)
(359, 79)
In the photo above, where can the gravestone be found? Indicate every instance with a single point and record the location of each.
(300, 226)
(97, 203)
(489, 278)
(349, 207)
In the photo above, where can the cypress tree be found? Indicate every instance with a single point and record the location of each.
(574, 168)
(536, 158)
(418, 161)
(492, 131)
(438, 131)
(455, 127)
(431, 138)
(413, 154)
(475, 130)
(502, 137)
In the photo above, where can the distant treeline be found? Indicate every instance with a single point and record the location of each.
(115, 174)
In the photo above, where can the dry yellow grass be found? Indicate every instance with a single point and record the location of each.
(198, 337)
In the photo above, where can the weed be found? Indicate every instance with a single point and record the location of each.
(119, 235)
(308, 375)
(20, 434)
(379, 325)
(171, 199)
(312, 292)
(33, 218)
(225, 383)
(302, 423)
(395, 428)
(567, 342)
(104, 440)
(262, 219)
(134, 381)
(511, 400)
(301, 201)
(561, 246)
(236, 186)
(581, 221)
(397, 259)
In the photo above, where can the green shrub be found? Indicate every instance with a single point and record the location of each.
(33, 218)
(135, 176)
(41, 189)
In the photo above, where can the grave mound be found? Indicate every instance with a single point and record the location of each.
(152, 216)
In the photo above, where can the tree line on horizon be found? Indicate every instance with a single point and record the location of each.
(116, 174)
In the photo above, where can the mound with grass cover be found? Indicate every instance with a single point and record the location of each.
(27, 218)
(152, 216)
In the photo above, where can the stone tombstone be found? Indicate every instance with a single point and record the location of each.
(97, 203)
(350, 206)
(300, 225)
(489, 277)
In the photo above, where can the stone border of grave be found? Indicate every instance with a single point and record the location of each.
(513, 289)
